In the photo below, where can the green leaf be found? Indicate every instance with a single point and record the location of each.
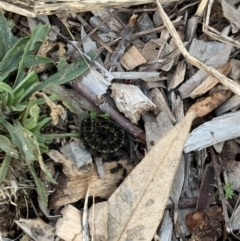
(12, 58)
(32, 121)
(4, 167)
(38, 35)
(33, 60)
(26, 88)
(31, 146)
(71, 72)
(228, 190)
(18, 108)
(7, 146)
(7, 39)
(21, 139)
(4, 88)
(41, 188)
(39, 125)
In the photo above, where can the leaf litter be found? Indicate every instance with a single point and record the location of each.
(171, 53)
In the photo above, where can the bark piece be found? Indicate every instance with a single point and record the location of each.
(233, 173)
(72, 186)
(152, 130)
(210, 82)
(131, 101)
(235, 70)
(76, 151)
(206, 189)
(178, 76)
(32, 9)
(235, 219)
(231, 13)
(212, 54)
(158, 99)
(232, 104)
(113, 23)
(69, 227)
(219, 129)
(145, 23)
(146, 76)
(98, 216)
(132, 58)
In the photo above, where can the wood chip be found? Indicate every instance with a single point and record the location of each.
(179, 75)
(232, 104)
(72, 186)
(69, 227)
(214, 131)
(132, 58)
(131, 101)
(98, 216)
(210, 82)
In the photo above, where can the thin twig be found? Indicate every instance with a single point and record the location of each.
(217, 170)
(99, 25)
(106, 108)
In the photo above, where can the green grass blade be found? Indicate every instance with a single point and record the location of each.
(38, 35)
(33, 60)
(4, 88)
(41, 188)
(71, 72)
(7, 146)
(12, 58)
(31, 146)
(7, 39)
(4, 167)
(26, 88)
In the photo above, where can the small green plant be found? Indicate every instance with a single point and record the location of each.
(94, 116)
(21, 118)
(228, 190)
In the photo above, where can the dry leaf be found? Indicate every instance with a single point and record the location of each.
(37, 229)
(137, 206)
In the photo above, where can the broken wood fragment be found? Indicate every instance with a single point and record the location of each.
(73, 184)
(210, 82)
(132, 58)
(69, 227)
(98, 215)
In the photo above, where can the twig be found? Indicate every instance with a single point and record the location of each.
(94, 35)
(106, 108)
(96, 28)
(85, 231)
(217, 170)
(124, 42)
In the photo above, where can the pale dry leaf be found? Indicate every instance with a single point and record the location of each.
(136, 207)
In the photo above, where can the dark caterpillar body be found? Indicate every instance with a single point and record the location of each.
(103, 137)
